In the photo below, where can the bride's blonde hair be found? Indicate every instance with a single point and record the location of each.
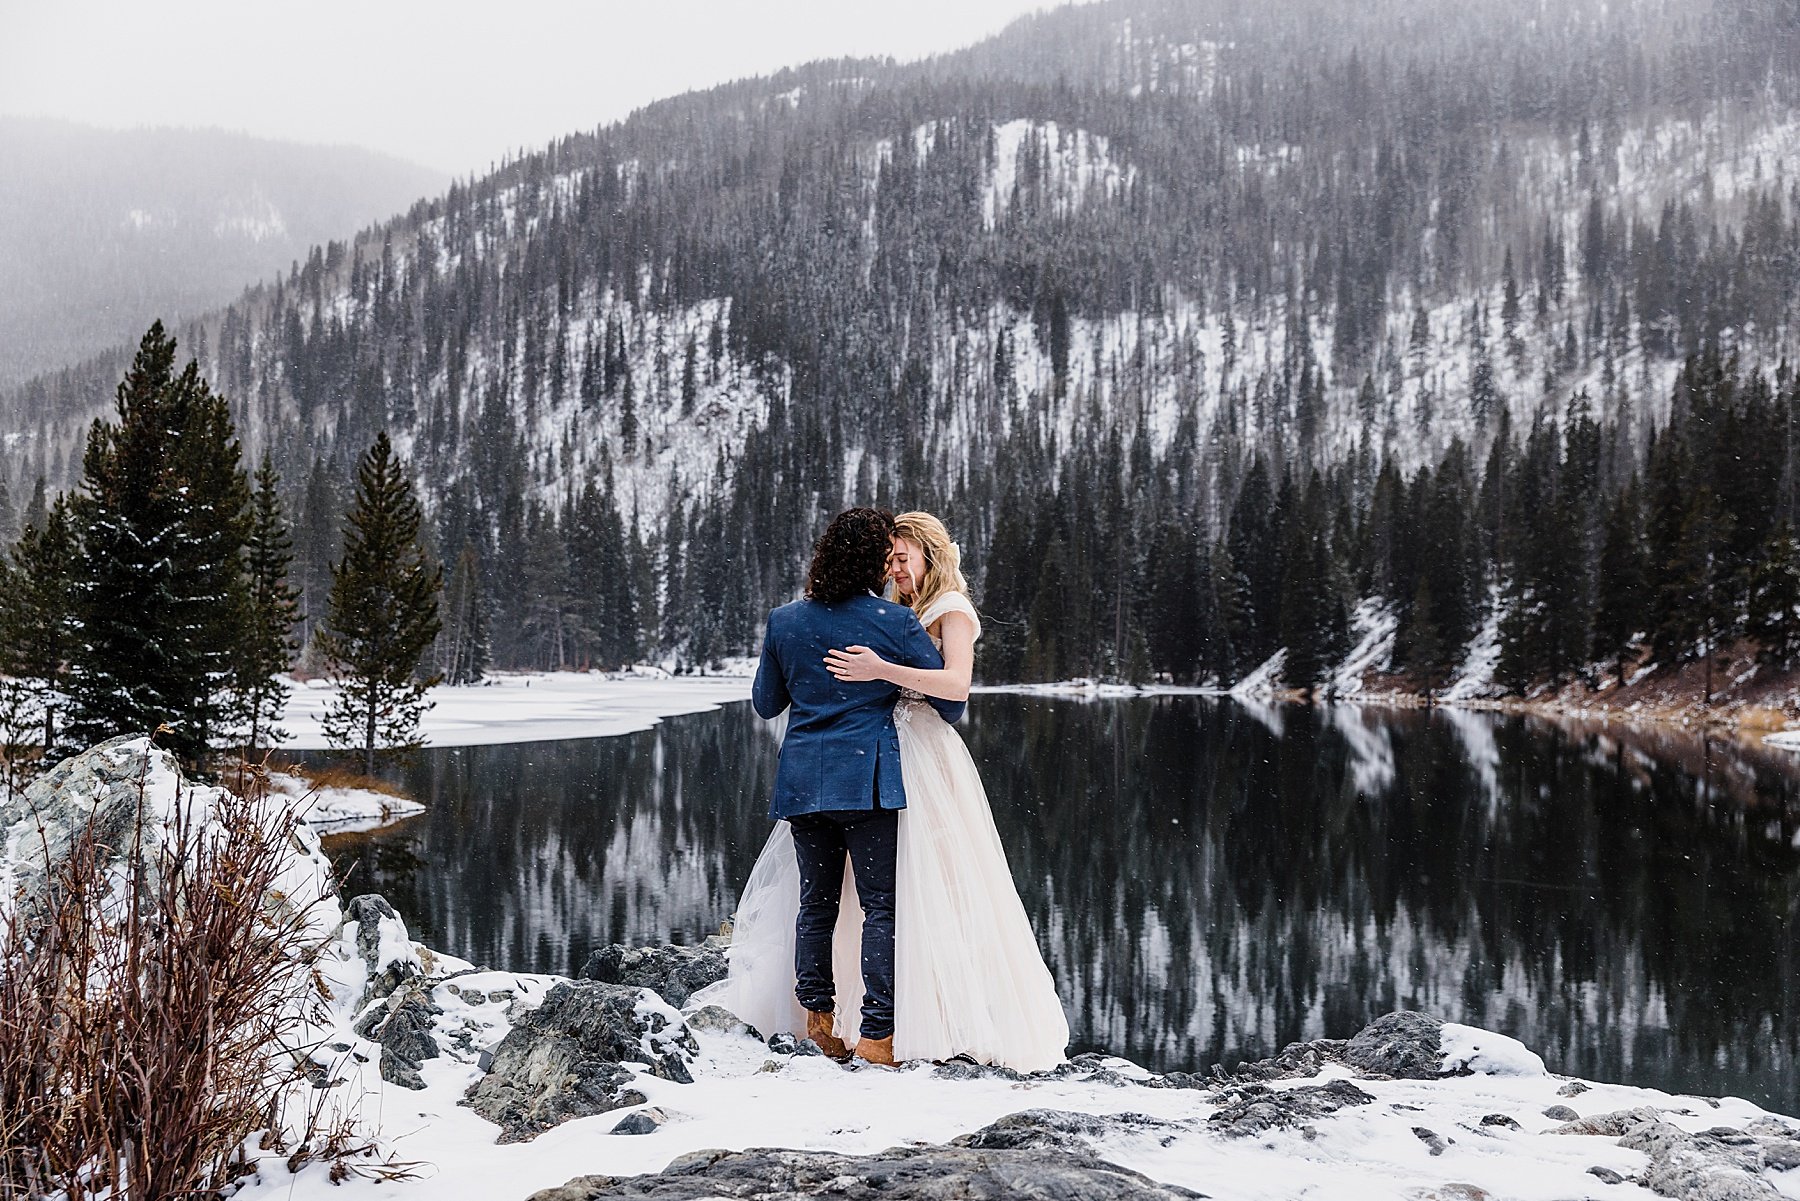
(943, 558)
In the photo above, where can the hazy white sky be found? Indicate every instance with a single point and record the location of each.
(449, 84)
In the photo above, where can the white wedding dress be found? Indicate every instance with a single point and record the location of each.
(968, 976)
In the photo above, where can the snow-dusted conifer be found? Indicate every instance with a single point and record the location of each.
(274, 611)
(158, 592)
(34, 636)
(383, 614)
(1774, 620)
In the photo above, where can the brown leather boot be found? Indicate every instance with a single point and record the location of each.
(818, 1028)
(877, 1051)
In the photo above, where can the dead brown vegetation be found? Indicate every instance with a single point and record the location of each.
(142, 1001)
(338, 775)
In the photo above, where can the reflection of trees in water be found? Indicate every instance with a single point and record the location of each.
(1210, 881)
(1208, 891)
(539, 852)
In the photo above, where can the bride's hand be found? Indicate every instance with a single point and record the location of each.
(856, 664)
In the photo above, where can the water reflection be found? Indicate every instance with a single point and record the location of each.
(1211, 881)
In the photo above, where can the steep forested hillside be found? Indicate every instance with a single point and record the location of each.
(1199, 324)
(103, 231)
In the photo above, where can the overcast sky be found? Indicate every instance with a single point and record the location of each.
(446, 83)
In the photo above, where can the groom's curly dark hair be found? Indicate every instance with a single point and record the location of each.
(851, 556)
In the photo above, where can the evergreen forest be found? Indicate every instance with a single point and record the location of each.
(1210, 333)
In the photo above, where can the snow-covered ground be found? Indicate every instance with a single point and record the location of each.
(337, 810)
(1087, 689)
(1418, 1139)
(535, 707)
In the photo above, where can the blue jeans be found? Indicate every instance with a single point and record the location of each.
(821, 840)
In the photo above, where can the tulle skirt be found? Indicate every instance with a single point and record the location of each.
(968, 976)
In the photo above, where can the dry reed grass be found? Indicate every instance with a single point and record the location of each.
(337, 775)
(143, 1001)
(1762, 718)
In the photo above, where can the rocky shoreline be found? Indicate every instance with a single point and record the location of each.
(415, 1065)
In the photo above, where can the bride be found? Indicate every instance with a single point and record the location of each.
(968, 976)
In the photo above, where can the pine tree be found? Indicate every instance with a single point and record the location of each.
(159, 592)
(383, 614)
(1774, 617)
(465, 655)
(1623, 586)
(1698, 598)
(34, 636)
(268, 642)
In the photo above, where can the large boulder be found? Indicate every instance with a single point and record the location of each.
(674, 973)
(899, 1174)
(110, 791)
(1404, 1045)
(567, 1058)
(1721, 1164)
(129, 798)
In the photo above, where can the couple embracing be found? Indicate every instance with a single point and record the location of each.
(881, 917)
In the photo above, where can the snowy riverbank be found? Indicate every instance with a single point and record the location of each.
(427, 1077)
(533, 707)
(1484, 1118)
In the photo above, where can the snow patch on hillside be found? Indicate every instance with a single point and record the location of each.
(1074, 166)
(1372, 625)
(1261, 683)
(1475, 678)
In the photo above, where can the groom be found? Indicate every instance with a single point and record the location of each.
(838, 785)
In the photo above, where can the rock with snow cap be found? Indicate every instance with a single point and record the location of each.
(898, 1174)
(1712, 1165)
(1404, 1045)
(1258, 1108)
(568, 1057)
(1056, 1130)
(674, 973)
(380, 939)
(129, 795)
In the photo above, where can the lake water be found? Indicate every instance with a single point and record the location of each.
(1211, 881)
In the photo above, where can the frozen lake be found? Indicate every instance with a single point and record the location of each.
(1211, 881)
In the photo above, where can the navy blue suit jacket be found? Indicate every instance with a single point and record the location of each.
(841, 749)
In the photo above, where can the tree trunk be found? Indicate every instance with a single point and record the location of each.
(369, 737)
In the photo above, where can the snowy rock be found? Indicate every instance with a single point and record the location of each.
(1056, 1130)
(721, 1020)
(1470, 1050)
(1259, 1108)
(565, 1059)
(674, 973)
(402, 1024)
(1721, 1164)
(1403, 1045)
(1561, 1113)
(102, 790)
(960, 1069)
(644, 1121)
(1297, 1061)
(128, 793)
(380, 939)
(899, 1174)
